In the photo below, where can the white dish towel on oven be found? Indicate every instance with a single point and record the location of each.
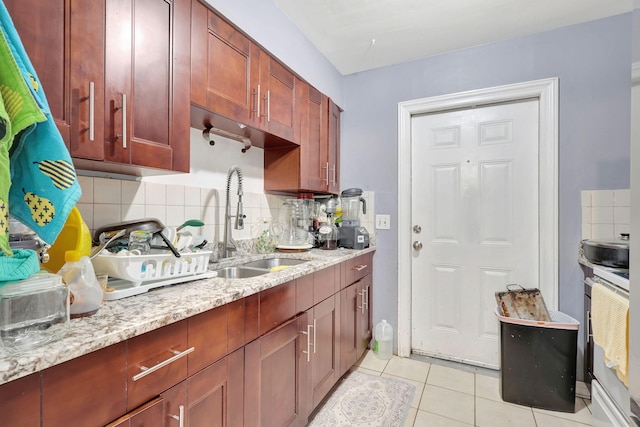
(610, 325)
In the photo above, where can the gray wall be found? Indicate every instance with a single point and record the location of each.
(592, 62)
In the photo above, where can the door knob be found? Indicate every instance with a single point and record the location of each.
(417, 229)
(417, 245)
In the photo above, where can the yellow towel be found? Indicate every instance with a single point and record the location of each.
(610, 325)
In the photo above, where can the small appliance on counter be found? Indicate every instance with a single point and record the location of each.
(351, 235)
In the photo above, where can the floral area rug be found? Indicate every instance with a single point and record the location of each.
(366, 400)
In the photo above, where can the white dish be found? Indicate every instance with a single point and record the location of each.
(307, 246)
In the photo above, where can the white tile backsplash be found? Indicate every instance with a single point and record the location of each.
(605, 213)
(108, 201)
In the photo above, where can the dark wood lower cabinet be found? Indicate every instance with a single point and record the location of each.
(20, 402)
(215, 394)
(88, 391)
(326, 347)
(277, 376)
(267, 360)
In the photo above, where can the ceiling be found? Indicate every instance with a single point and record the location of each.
(359, 35)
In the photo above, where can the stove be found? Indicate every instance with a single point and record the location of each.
(615, 276)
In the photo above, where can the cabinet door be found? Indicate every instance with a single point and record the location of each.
(149, 414)
(363, 321)
(277, 377)
(313, 139)
(88, 391)
(278, 115)
(20, 402)
(65, 43)
(174, 404)
(349, 344)
(326, 347)
(147, 81)
(233, 69)
(334, 148)
(215, 394)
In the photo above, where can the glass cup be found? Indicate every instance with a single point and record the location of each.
(140, 240)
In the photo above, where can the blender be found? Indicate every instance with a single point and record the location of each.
(351, 234)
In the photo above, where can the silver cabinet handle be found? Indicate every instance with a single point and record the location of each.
(258, 100)
(123, 135)
(177, 355)
(268, 105)
(360, 267)
(308, 334)
(180, 416)
(366, 298)
(363, 303)
(91, 110)
(417, 245)
(326, 173)
(314, 336)
(588, 328)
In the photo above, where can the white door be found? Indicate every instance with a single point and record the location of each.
(475, 198)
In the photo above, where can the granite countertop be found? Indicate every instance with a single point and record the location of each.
(125, 318)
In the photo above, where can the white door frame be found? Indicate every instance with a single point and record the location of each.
(546, 90)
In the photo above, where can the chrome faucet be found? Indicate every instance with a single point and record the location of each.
(229, 243)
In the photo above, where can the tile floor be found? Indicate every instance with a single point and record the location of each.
(453, 395)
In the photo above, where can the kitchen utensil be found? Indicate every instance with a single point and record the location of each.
(190, 223)
(610, 253)
(152, 225)
(184, 240)
(523, 303)
(294, 219)
(116, 234)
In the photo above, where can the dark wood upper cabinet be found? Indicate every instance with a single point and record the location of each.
(147, 72)
(277, 104)
(314, 166)
(116, 75)
(65, 43)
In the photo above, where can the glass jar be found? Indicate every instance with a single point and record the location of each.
(140, 240)
(265, 235)
(328, 236)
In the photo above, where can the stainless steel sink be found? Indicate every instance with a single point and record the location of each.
(273, 262)
(240, 272)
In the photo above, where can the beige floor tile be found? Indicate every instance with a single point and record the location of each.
(417, 395)
(427, 419)
(367, 371)
(407, 368)
(490, 413)
(453, 379)
(546, 420)
(581, 415)
(448, 403)
(488, 387)
(411, 417)
(370, 361)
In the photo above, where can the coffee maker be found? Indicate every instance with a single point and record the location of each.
(351, 235)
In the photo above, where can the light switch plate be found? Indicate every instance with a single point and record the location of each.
(383, 222)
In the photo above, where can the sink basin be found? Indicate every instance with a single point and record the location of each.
(240, 272)
(273, 262)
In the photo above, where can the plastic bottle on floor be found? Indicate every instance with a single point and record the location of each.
(383, 340)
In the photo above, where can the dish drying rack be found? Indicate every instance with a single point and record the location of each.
(136, 274)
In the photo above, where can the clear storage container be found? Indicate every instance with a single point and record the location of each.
(33, 312)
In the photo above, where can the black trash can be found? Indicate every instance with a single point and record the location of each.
(538, 361)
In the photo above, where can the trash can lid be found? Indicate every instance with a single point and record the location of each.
(559, 320)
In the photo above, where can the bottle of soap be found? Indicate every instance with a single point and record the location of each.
(85, 292)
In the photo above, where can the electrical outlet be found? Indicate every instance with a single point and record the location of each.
(383, 222)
